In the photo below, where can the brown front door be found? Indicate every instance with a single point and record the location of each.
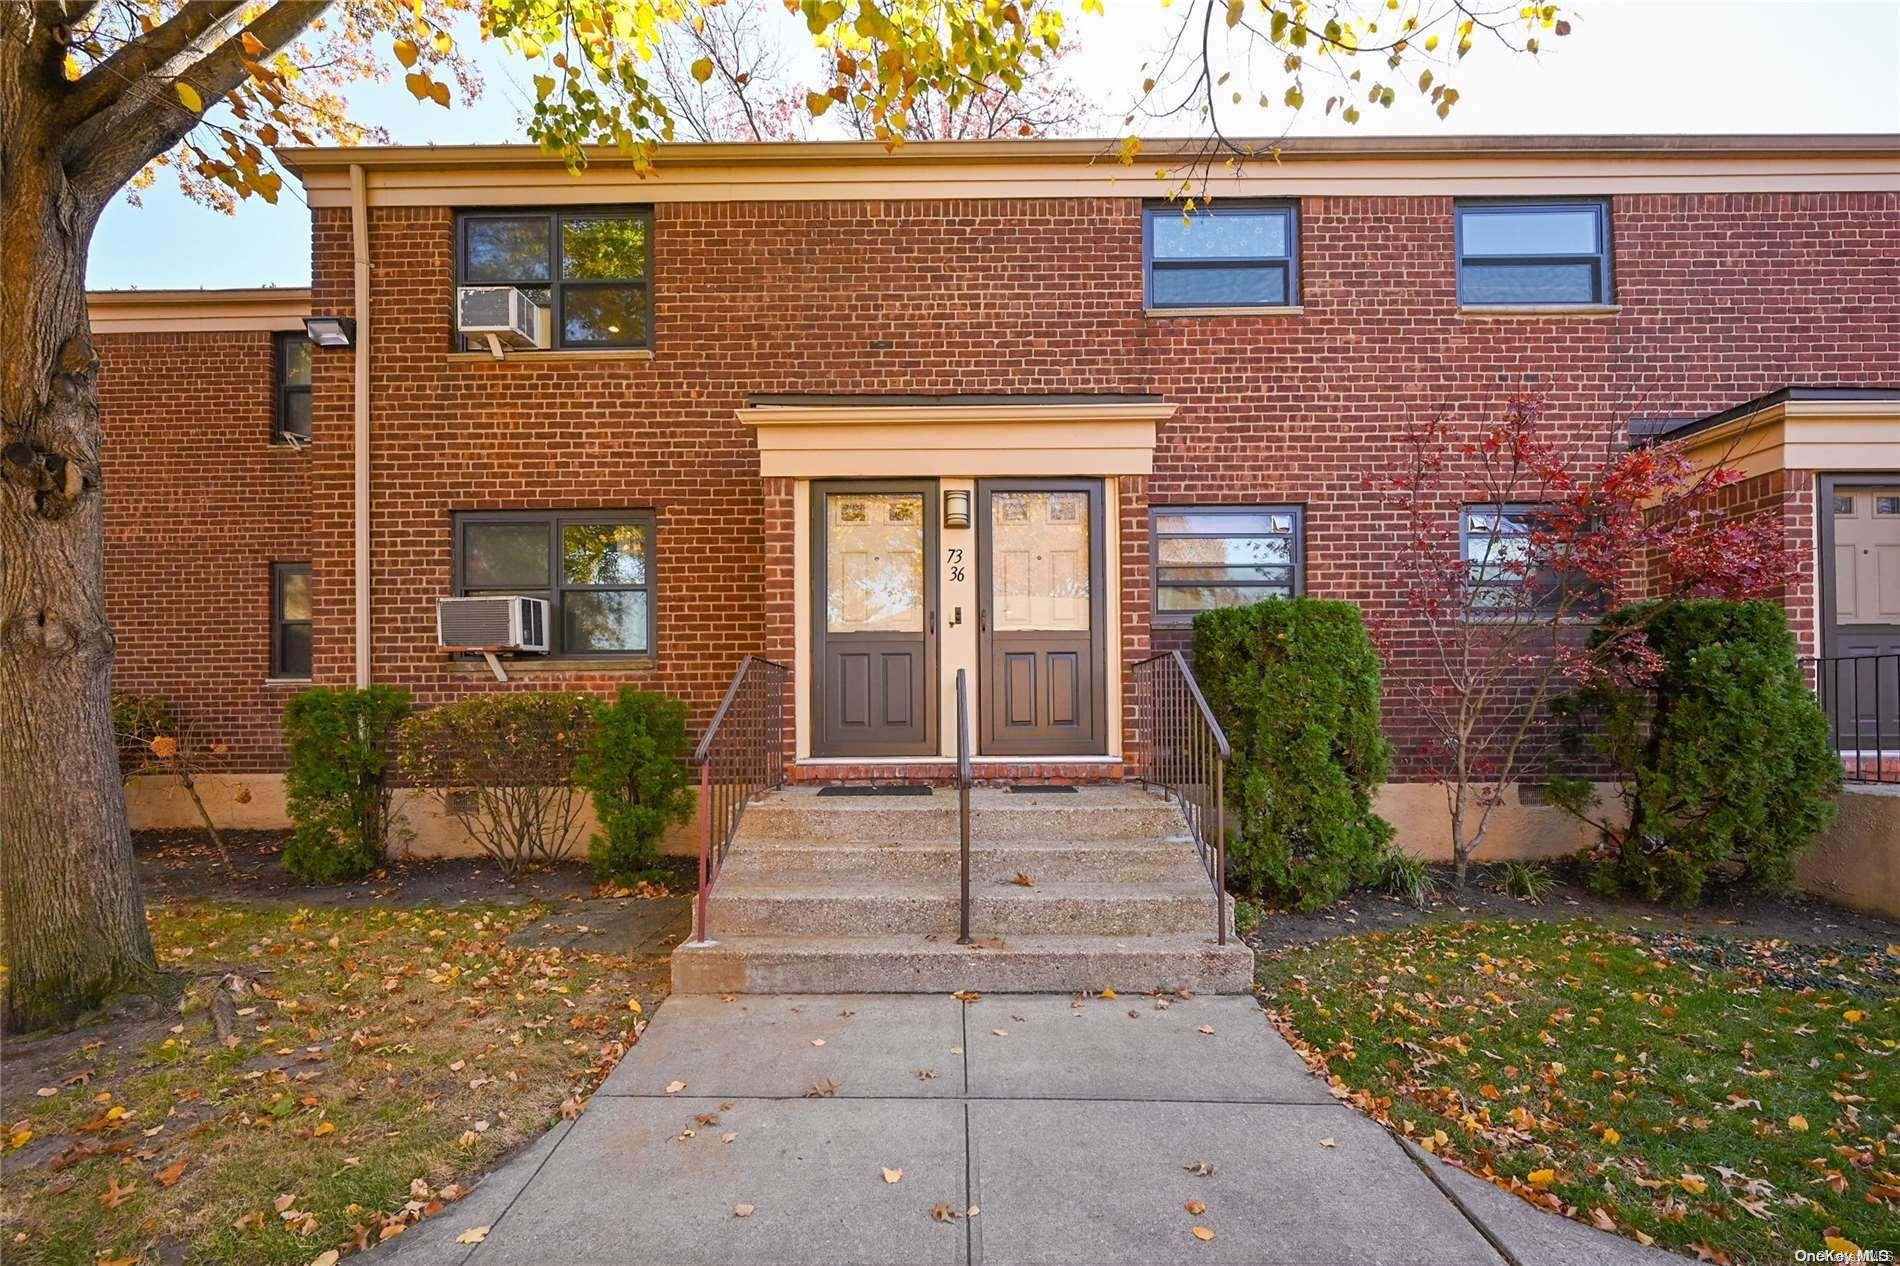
(1040, 616)
(874, 617)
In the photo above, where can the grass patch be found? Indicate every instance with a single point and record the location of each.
(1740, 1098)
(382, 1058)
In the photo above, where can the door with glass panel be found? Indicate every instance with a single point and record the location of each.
(1040, 617)
(874, 618)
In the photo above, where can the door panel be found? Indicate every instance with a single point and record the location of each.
(874, 617)
(1040, 617)
(1863, 695)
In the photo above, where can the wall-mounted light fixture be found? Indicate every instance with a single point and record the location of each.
(331, 331)
(956, 508)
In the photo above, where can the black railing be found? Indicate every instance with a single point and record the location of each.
(1180, 748)
(741, 755)
(964, 778)
(1861, 696)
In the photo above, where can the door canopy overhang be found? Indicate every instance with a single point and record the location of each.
(979, 436)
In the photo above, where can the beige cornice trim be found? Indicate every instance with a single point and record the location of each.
(1820, 435)
(501, 175)
(978, 440)
(191, 311)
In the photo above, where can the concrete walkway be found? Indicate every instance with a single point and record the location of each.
(1028, 1129)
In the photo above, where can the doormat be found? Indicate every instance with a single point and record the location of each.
(892, 789)
(1038, 789)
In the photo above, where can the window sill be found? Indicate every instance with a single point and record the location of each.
(1505, 311)
(559, 356)
(1288, 310)
(541, 664)
(287, 683)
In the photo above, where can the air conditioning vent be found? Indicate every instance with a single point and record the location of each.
(505, 315)
(493, 625)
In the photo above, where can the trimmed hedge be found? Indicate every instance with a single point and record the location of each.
(634, 766)
(1295, 683)
(1723, 757)
(337, 786)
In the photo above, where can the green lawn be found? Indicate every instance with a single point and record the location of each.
(386, 1057)
(1737, 1097)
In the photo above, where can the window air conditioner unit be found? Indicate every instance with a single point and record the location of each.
(492, 625)
(506, 316)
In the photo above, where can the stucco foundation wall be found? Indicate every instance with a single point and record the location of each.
(1422, 824)
(1857, 861)
(256, 802)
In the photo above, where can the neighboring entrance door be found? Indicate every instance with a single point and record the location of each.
(1040, 617)
(874, 618)
(1863, 625)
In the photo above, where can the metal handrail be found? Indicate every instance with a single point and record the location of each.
(1181, 749)
(740, 756)
(1861, 696)
(965, 777)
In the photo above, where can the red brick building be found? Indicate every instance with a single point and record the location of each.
(774, 376)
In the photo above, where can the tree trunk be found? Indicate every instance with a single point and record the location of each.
(69, 889)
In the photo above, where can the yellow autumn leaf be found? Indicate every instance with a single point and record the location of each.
(439, 93)
(188, 97)
(1853, 1017)
(418, 85)
(323, 1128)
(1845, 1247)
(1611, 1137)
(71, 68)
(817, 103)
(253, 47)
(633, 1005)
(1798, 1122)
(703, 69)
(1542, 1178)
(1693, 1184)
(406, 52)
(1203, 1233)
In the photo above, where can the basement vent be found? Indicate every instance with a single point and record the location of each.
(892, 789)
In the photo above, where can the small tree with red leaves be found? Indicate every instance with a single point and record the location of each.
(1513, 543)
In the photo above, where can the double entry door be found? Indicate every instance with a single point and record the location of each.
(879, 656)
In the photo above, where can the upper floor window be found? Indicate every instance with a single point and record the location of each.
(593, 270)
(292, 421)
(594, 568)
(1534, 253)
(1240, 256)
(1223, 556)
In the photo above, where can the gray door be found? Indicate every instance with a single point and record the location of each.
(874, 618)
(1860, 539)
(1040, 616)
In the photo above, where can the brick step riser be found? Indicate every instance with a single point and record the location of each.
(1141, 913)
(766, 823)
(1128, 971)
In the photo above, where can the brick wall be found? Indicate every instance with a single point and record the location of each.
(199, 504)
(1722, 298)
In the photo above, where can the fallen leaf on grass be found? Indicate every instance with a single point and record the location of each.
(1542, 1178)
(328, 1257)
(114, 1195)
(1798, 1122)
(474, 1235)
(741, 1210)
(323, 1128)
(254, 1218)
(1203, 1233)
(893, 1175)
(1600, 1218)
(171, 1173)
(1195, 1207)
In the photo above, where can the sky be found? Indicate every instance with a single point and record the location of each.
(1648, 66)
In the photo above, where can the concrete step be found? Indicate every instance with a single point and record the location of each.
(998, 816)
(777, 908)
(1115, 861)
(926, 964)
